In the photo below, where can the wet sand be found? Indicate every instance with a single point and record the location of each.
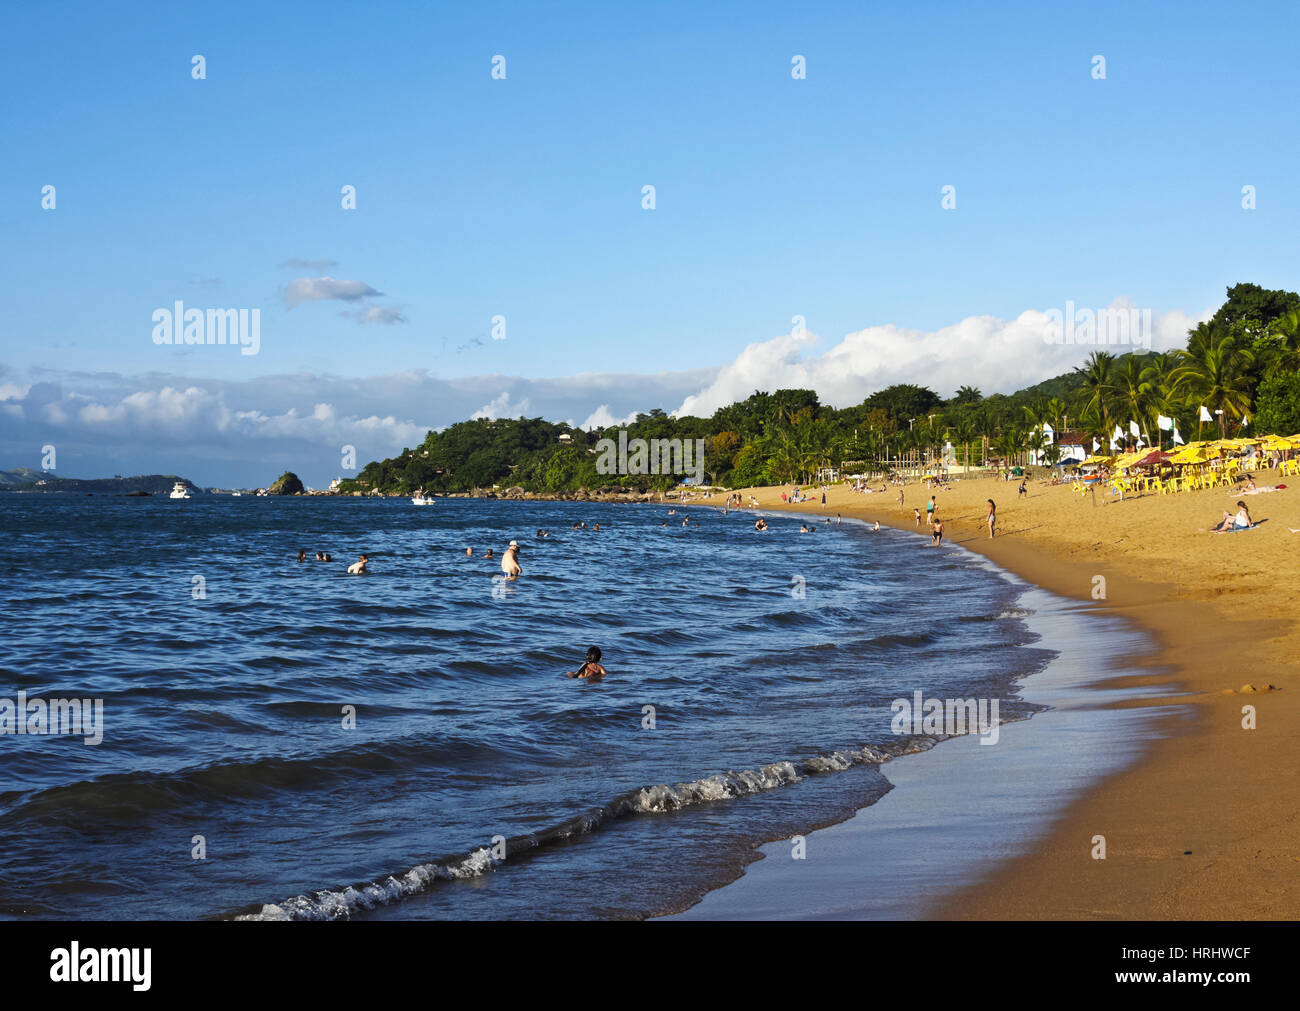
(1206, 825)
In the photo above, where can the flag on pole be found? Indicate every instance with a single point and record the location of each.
(1178, 439)
(1245, 421)
(1133, 428)
(1116, 435)
(1205, 415)
(1164, 423)
(1095, 445)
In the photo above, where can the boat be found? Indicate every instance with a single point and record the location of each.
(420, 498)
(179, 490)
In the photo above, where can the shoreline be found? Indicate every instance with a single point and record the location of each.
(959, 811)
(1228, 795)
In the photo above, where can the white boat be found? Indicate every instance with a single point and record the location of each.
(236, 494)
(420, 498)
(179, 490)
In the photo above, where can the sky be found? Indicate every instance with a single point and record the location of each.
(501, 257)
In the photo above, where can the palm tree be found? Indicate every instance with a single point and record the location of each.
(1158, 385)
(1098, 386)
(1214, 370)
(1128, 383)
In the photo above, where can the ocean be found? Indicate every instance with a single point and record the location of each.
(283, 740)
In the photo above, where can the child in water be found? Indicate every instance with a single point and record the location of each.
(591, 670)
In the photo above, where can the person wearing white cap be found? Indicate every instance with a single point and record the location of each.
(510, 561)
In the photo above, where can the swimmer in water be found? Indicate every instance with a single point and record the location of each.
(591, 670)
(326, 556)
(761, 525)
(302, 556)
(469, 552)
(487, 553)
(359, 568)
(319, 558)
(510, 561)
(877, 526)
(596, 527)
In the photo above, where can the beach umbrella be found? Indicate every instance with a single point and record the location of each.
(1195, 452)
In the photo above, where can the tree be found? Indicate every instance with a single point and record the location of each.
(1278, 404)
(1097, 377)
(1213, 370)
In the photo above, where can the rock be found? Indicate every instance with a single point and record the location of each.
(286, 484)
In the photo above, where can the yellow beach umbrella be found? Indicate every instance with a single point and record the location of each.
(1196, 452)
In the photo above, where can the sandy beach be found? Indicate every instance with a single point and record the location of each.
(1206, 825)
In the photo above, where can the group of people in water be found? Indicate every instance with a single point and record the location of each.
(357, 568)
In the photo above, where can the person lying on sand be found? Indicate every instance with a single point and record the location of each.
(591, 670)
(359, 568)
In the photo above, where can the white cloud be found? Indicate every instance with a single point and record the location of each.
(995, 355)
(316, 289)
(602, 417)
(375, 314)
(501, 407)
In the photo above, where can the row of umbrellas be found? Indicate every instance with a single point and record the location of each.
(1196, 452)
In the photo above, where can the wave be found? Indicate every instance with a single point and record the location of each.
(342, 903)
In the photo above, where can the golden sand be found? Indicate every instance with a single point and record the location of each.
(1207, 826)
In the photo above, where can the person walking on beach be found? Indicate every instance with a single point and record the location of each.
(936, 532)
(510, 562)
(917, 513)
(929, 510)
(900, 501)
(992, 517)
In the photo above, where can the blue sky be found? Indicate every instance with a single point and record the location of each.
(522, 197)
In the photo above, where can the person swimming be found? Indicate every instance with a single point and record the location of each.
(488, 553)
(591, 670)
(302, 556)
(761, 525)
(510, 562)
(319, 557)
(358, 568)
(325, 556)
(469, 552)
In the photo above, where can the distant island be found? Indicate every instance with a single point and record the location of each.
(25, 479)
